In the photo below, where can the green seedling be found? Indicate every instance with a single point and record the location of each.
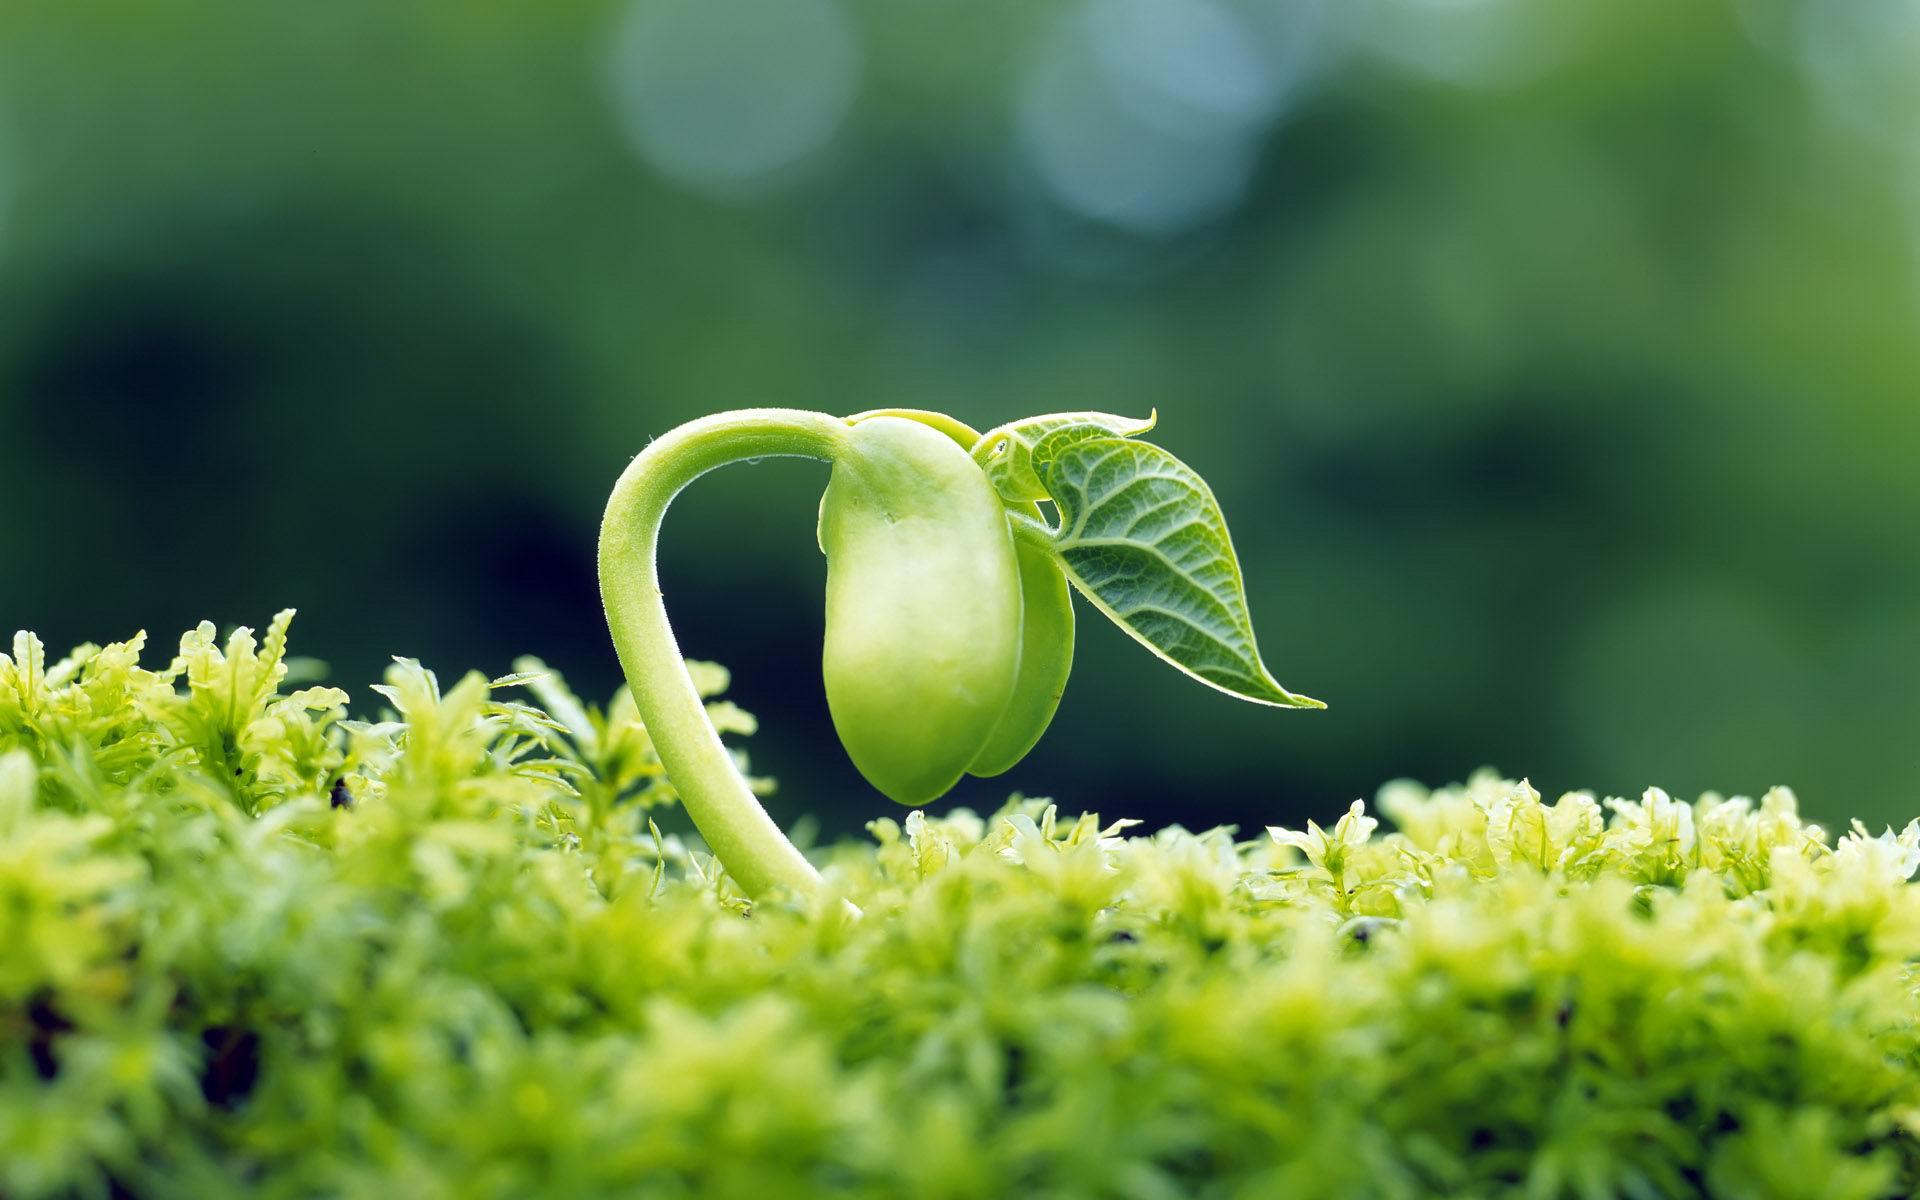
(949, 619)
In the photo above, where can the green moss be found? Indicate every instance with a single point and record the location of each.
(248, 946)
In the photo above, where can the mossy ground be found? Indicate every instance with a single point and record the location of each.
(248, 946)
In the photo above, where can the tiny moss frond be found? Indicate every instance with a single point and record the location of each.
(249, 946)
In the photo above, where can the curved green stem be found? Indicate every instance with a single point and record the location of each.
(725, 810)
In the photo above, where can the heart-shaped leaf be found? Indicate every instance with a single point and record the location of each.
(1005, 453)
(1143, 538)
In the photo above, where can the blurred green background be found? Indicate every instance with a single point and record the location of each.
(1557, 362)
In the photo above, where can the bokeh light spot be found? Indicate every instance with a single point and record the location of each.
(1469, 43)
(1186, 66)
(1864, 59)
(724, 95)
(1145, 114)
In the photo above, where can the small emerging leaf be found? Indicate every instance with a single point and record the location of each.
(728, 717)
(516, 679)
(1006, 453)
(551, 690)
(1143, 538)
(709, 678)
